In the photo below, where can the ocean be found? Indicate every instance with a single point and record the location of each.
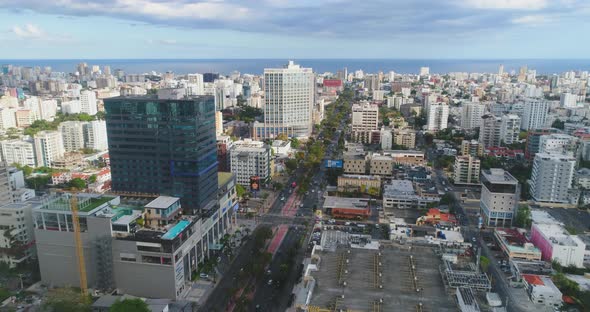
(256, 66)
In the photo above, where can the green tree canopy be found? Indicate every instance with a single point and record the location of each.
(129, 305)
(77, 183)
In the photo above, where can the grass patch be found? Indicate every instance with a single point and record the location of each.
(94, 202)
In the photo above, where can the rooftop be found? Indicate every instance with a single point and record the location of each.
(499, 176)
(223, 178)
(345, 202)
(541, 281)
(360, 177)
(162, 202)
(399, 187)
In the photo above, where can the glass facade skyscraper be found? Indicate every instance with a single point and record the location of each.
(164, 146)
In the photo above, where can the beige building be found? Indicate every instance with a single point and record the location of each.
(355, 164)
(360, 183)
(365, 119)
(405, 137)
(410, 158)
(473, 148)
(381, 165)
(466, 170)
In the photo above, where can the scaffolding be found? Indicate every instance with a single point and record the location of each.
(104, 262)
(472, 278)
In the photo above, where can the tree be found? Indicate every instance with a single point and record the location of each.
(240, 190)
(558, 124)
(67, 300)
(523, 217)
(92, 178)
(295, 143)
(130, 305)
(484, 263)
(282, 136)
(77, 183)
(291, 164)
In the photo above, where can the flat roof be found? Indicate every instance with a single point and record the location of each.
(162, 202)
(223, 178)
(361, 176)
(499, 176)
(345, 202)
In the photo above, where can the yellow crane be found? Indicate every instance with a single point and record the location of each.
(78, 245)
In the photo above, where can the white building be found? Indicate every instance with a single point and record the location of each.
(568, 100)
(400, 194)
(554, 241)
(250, 158)
(196, 85)
(72, 133)
(17, 151)
(471, 114)
(71, 107)
(48, 147)
(438, 115)
(365, 119)
(7, 118)
(509, 128)
(557, 143)
(542, 290)
(534, 114)
(583, 178)
(47, 109)
(424, 71)
(466, 170)
(5, 187)
(500, 195)
(95, 135)
(88, 102)
(289, 99)
(386, 138)
(490, 131)
(552, 177)
(17, 220)
(281, 147)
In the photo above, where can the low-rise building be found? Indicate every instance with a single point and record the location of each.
(355, 163)
(515, 245)
(555, 243)
(542, 290)
(400, 194)
(367, 184)
(405, 138)
(347, 208)
(282, 148)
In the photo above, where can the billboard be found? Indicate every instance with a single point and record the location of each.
(254, 183)
(333, 163)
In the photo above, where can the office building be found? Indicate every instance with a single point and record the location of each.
(405, 138)
(438, 115)
(367, 184)
(250, 159)
(365, 119)
(552, 177)
(466, 170)
(289, 99)
(72, 133)
(177, 158)
(473, 148)
(48, 147)
(534, 114)
(500, 195)
(509, 128)
(471, 114)
(88, 102)
(490, 131)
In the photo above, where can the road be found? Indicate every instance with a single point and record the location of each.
(516, 302)
(298, 216)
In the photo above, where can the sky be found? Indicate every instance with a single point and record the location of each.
(429, 29)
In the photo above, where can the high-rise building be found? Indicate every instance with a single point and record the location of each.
(48, 147)
(466, 170)
(386, 138)
(424, 71)
(501, 70)
(509, 128)
(490, 130)
(568, 100)
(534, 114)
(250, 159)
(5, 189)
(289, 99)
(533, 141)
(7, 118)
(20, 152)
(438, 115)
(552, 177)
(88, 103)
(72, 133)
(473, 148)
(95, 135)
(471, 114)
(164, 144)
(558, 143)
(365, 119)
(500, 194)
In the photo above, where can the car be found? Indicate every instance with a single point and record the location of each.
(203, 275)
(283, 198)
(301, 206)
(218, 259)
(313, 191)
(473, 239)
(347, 223)
(269, 282)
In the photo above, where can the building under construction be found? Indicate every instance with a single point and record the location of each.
(119, 250)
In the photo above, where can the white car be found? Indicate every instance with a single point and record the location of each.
(283, 198)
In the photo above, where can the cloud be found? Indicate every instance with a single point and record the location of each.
(162, 41)
(33, 32)
(532, 20)
(343, 19)
(27, 31)
(507, 4)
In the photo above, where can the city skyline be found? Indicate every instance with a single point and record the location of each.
(475, 29)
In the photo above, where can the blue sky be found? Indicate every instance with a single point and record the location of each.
(294, 29)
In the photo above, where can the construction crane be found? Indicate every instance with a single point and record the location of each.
(78, 245)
